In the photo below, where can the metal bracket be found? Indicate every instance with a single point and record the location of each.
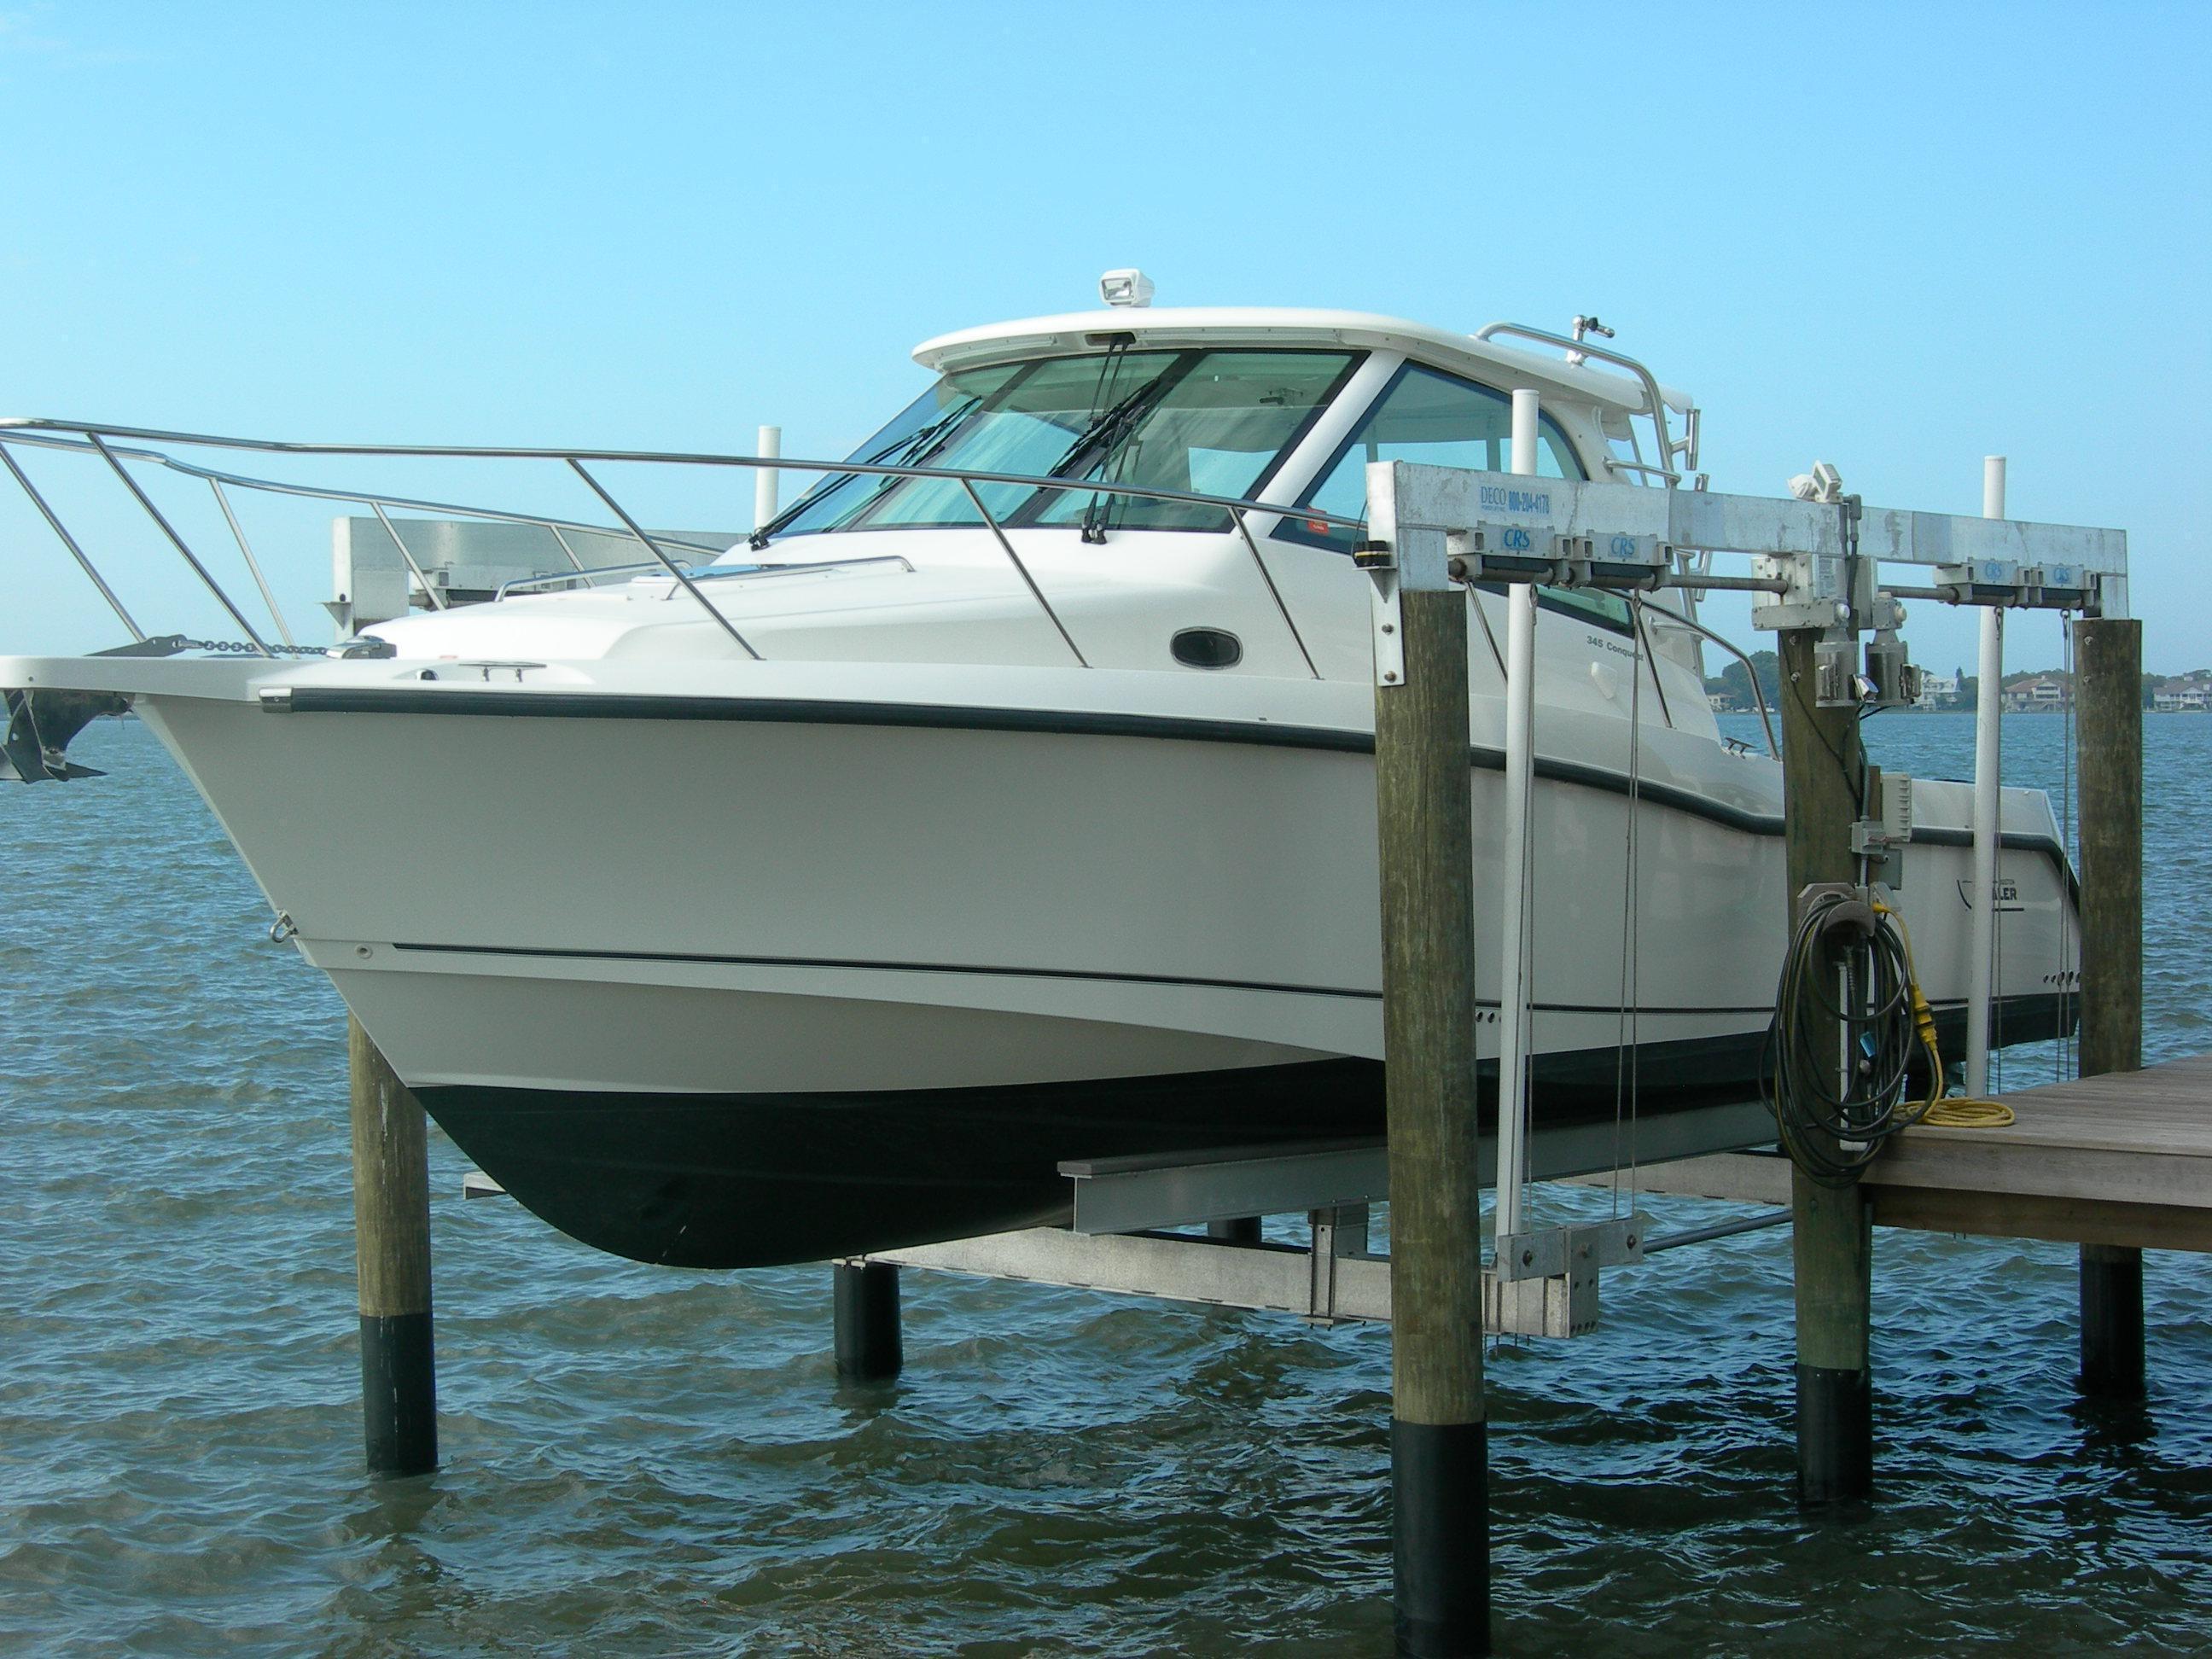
(1554, 1251)
(1983, 581)
(1835, 669)
(1340, 1235)
(1381, 564)
(1564, 1306)
(1419, 562)
(1546, 1284)
(1518, 553)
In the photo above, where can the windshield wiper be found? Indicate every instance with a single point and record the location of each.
(1108, 434)
(906, 452)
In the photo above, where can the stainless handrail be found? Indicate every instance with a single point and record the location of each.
(1274, 592)
(431, 596)
(1655, 397)
(1651, 656)
(1750, 669)
(674, 569)
(10, 435)
(12, 425)
(1007, 546)
(177, 542)
(69, 541)
(575, 562)
(34, 431)
(238, 531)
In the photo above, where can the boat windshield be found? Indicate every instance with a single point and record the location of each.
(1208, 422)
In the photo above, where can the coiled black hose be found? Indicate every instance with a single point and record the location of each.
(1848, 966)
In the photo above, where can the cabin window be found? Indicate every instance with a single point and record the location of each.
(1436, 419)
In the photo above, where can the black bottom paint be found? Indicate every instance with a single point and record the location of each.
(1440, 1538)
(399, 1393)
(759, 1180)
(867, 1323)
(2112, 1324)
(1835, 1435)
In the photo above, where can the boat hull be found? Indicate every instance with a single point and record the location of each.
(739, 980)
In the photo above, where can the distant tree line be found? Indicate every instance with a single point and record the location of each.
(1734, 680)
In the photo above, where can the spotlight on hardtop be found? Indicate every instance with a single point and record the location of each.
(1125, 288)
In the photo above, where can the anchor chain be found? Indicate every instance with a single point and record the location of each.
(241, 647)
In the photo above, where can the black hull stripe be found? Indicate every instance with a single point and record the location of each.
(976, 971)
(702, 959)
(599, 705)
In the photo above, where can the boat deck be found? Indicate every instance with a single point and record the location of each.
(2124, 1158)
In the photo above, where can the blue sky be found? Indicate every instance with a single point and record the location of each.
(1896, 239)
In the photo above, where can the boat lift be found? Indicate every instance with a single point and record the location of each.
(1816, 560)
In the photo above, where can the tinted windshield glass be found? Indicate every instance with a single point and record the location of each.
(1210, 423)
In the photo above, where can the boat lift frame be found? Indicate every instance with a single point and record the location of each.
(1816, 561)
(1812, 562)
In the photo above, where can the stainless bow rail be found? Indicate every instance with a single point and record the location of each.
(116, 445)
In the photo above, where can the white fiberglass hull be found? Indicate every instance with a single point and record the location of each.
(852, 959)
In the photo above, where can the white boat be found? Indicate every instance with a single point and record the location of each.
(1010, 803)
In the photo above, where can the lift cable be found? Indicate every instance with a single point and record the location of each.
(1628, 1033)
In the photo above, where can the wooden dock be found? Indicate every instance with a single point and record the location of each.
(2123, 1159)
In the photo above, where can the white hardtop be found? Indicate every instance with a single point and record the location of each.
(1078, 332)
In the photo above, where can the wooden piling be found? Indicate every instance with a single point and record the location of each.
(391, 1246)
(868, 1345)
(1823, 765)
(2108, 712)
(1439, 1459)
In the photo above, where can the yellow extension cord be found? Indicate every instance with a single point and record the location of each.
(1959, 1111)
(1965, 1112)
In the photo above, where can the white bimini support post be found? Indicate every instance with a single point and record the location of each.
(1520, 776)
(764, 477)
(1989, 704)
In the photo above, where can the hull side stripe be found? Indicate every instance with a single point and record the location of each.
(1195, 982)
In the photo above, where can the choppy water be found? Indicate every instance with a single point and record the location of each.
(647, 1462)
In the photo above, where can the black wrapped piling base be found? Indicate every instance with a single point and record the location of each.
(2112, 1324)
(399, 1393)
(1440, 1538)
(1835, 1436)
(867, 1323)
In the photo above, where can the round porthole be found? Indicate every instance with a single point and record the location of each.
(1207, 647)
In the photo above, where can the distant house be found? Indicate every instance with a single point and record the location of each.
(2181, 695)
(1938, 691)
(2038, 695)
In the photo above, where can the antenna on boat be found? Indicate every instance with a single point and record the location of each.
(1586, 326)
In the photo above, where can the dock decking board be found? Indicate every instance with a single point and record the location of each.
(2124, 1158)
